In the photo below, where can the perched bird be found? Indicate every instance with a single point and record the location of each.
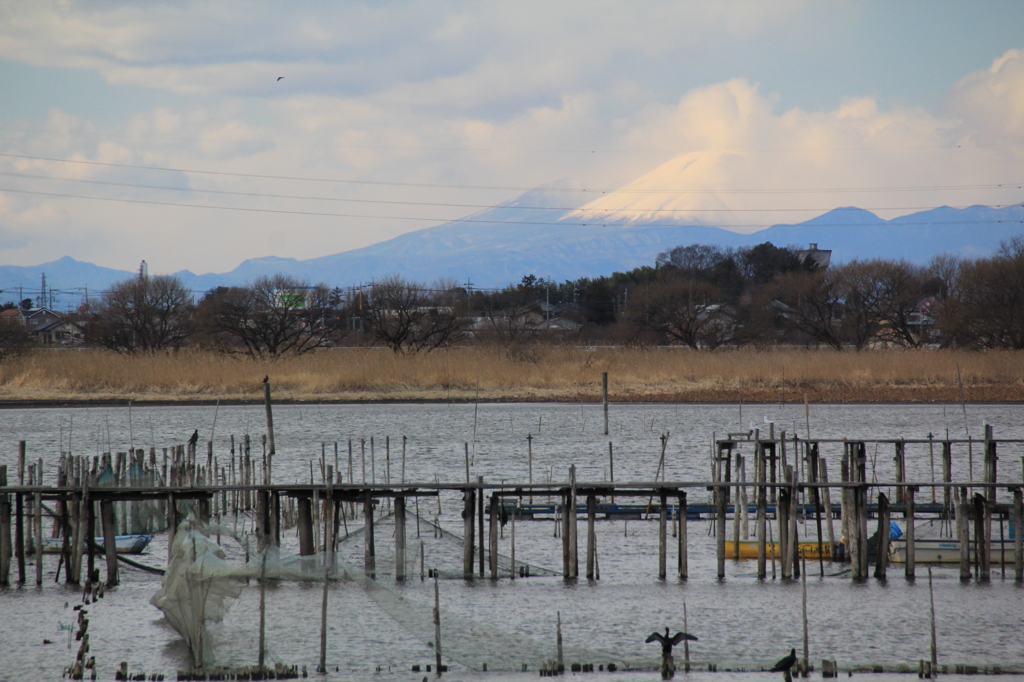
(786, 663)
(266, 379)
(668, 665)
(667, 642)
(47, 641)
(194, 439)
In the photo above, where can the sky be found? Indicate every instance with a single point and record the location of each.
(195, 135)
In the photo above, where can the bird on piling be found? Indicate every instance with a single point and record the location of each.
(194, 438)
(266, 379)
(784, 664)
(668, 665)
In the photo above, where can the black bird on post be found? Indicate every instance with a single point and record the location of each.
(668, 665)
(266, 379)
(193, 439)
(784, 664)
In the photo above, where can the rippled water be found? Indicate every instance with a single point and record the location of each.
(740, 621)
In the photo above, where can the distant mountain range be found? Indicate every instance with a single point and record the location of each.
(499, 246)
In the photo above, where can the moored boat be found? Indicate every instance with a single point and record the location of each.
(748, 549)
(126, 544)
(934, 544)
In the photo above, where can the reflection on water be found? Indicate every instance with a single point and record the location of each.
(739, 621)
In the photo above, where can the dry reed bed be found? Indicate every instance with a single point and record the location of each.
(532, 373)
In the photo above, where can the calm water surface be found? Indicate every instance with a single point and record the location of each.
(739, 621)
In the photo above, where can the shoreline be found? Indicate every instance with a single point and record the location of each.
(880, 395)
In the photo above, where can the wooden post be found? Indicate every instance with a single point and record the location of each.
(762, 510)
(782, 514)
(720, 498)
(322, 665)
(964, 535)
(492, 539)
(5, 531)
(1018, 534)
(909, 566)
(882, 552)
(480, 520)
(901, 469)
(604, 393)
(370, 550)
(826, 493)
(611, 470)
(663, 537)
(683, 559)
(512, 543)
(981, 547)
(270, 427)
(109, 540)
(736, 511)
(947, 477)
(574, 562)
(931, 600)
(38, 520)
(437, 622)
(305, 523)
(263, 609)
(803, 590)
(400, 538)
(19, 534)
(558, 641)
(566, 556)
(468, 516)
(591, 536)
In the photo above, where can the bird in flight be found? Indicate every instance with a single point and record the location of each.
(280, 77)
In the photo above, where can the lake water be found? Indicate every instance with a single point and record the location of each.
(740, 621)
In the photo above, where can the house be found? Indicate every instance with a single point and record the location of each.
(47, 327)
(819, 258)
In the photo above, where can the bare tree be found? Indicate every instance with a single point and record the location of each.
(811, 305)
(985, 305)
(14, 339)
(406, 316)
(683, 310)
(142, 314)
(272, 316)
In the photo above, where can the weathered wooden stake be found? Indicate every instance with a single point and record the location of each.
(803, 589)
(5, 531)
(827, 495)
(662, 537)
(720, 498)
(437, 623)
(931, 600)
(964, 535)
(492, 537)
(909, 566)
(1018, 536)
(686, 643)
(270, 428)
(305, 523)
(782, 514)
(400, 538)
(38, 520)
(109, 541)
(981, 547)
(558, 625)
(263, 608)
(683, 559)
(882, 552)
(468, 517)
(591, 536)
(370, 550)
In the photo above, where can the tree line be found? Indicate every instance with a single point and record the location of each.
(698, 296)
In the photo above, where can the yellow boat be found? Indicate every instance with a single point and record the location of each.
(748, 549)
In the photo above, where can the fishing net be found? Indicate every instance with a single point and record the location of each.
(203, 580)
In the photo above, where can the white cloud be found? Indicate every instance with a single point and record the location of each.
(990, 102)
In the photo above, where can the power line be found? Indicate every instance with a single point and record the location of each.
(266, 195)
(559, 223)
(820, 190)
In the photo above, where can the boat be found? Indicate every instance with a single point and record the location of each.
(748, 549)
(126, 544)
(933, 544)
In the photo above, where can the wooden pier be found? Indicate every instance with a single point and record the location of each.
(132, 492)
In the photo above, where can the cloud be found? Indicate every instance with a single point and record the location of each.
(990, 102)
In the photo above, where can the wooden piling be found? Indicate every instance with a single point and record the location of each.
(782, 514)
(38, 520)
(480, 520)
(826, 494)
(931, 611)
(591, 536)
(305, 523)
(882, 551)
(720, 498)
(662, 537)
(909, 566)
(981, 546)
(19, 535)
(5, 531)
(270, 427)
(369, 549)
(109, 540)
(683, 558)
(1018, 536)
(437, 623)
(492, 538)
(400, 538)
(736, 514)
(468, 517)
(964, 535)
(762, 509)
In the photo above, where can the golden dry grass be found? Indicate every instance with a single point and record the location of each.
(534, 373)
